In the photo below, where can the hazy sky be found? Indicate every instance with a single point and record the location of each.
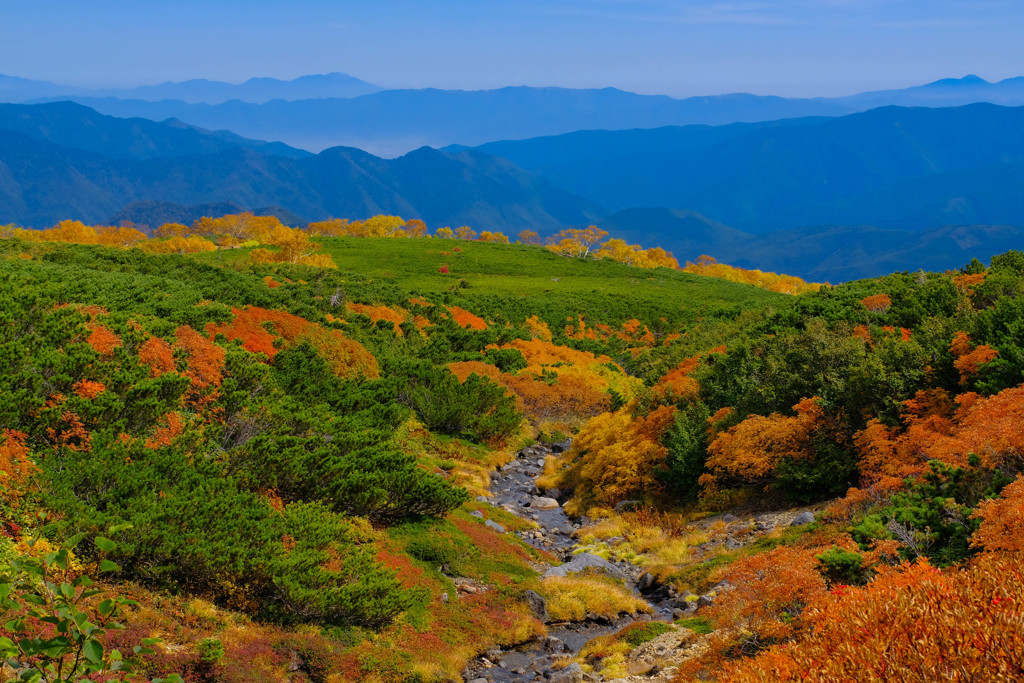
(688, 47)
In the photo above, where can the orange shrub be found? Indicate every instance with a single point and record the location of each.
(167, 432)
(466, 319)
(1002, 520)
(88, 389)
(205, 365)
(378, 313)
(567, 401)
(911, 623)
(463, 369)
(345, 357)
(15, 464)
(877, 303)
(615, 456)
(767, 592)
(969, 361)
(158, 355)
(102, 340)
(750, 451)
(988, 427)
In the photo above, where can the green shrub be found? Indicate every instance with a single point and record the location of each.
(840, 566)
(699, 625)
(638, 635)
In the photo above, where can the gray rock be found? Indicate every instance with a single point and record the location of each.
(585, 561)
(570, 674)
(732, 544)
(476, 513)
(537, 604)
(554, 493)
(478, 680)
(646, 582)
(679, 613)
(481, 499)
(552, 644)
(802, 518)
(706, 600)
(494, 525)
(561, 446)
(627, 505)
(729, 519)
(542, 503)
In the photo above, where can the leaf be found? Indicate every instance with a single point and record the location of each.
(73, 541)
(105, 544)
(117, 528)
(108, 566)
(93, 650)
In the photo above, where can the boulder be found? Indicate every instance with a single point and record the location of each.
(561, 446)
(647, 582)
(585, 561)
(543, 503)
(476, 513)
(802, 518)
(627, 505)
(729, 519)
(552, 644)
(537, 604)
(494, 525)
(570, 674)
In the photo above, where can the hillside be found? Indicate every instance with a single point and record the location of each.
(381, 429)
(72, 125)
(64, 160)
(890, 168)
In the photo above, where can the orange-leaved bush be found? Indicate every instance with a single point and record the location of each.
(615, 457)
(969, 361)
(1002, 520)
(911, 623)
(158, 355)
(749, 452)
(15, 464)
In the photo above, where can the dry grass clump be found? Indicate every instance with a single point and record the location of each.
(572, 598)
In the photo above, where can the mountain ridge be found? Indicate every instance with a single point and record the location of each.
(392, 122)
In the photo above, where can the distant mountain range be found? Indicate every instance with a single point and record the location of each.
(817, 253)
(50, 170)
(893, 167)
(198, 90)
(824, 198)
(79, 127)
(316, 112)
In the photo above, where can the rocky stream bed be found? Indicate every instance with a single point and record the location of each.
(514, 488)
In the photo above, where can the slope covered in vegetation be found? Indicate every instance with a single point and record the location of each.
(293, 458)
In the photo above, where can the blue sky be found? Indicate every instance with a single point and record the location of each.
(689, 47)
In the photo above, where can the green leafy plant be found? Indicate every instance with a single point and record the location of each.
(36, 591)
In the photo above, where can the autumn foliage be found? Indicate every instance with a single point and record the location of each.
(15, 464)
(751, 451)
(911, 623)
(615, 456)
(785, 284)
(259, 329)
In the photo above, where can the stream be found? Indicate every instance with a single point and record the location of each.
(514, 488)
